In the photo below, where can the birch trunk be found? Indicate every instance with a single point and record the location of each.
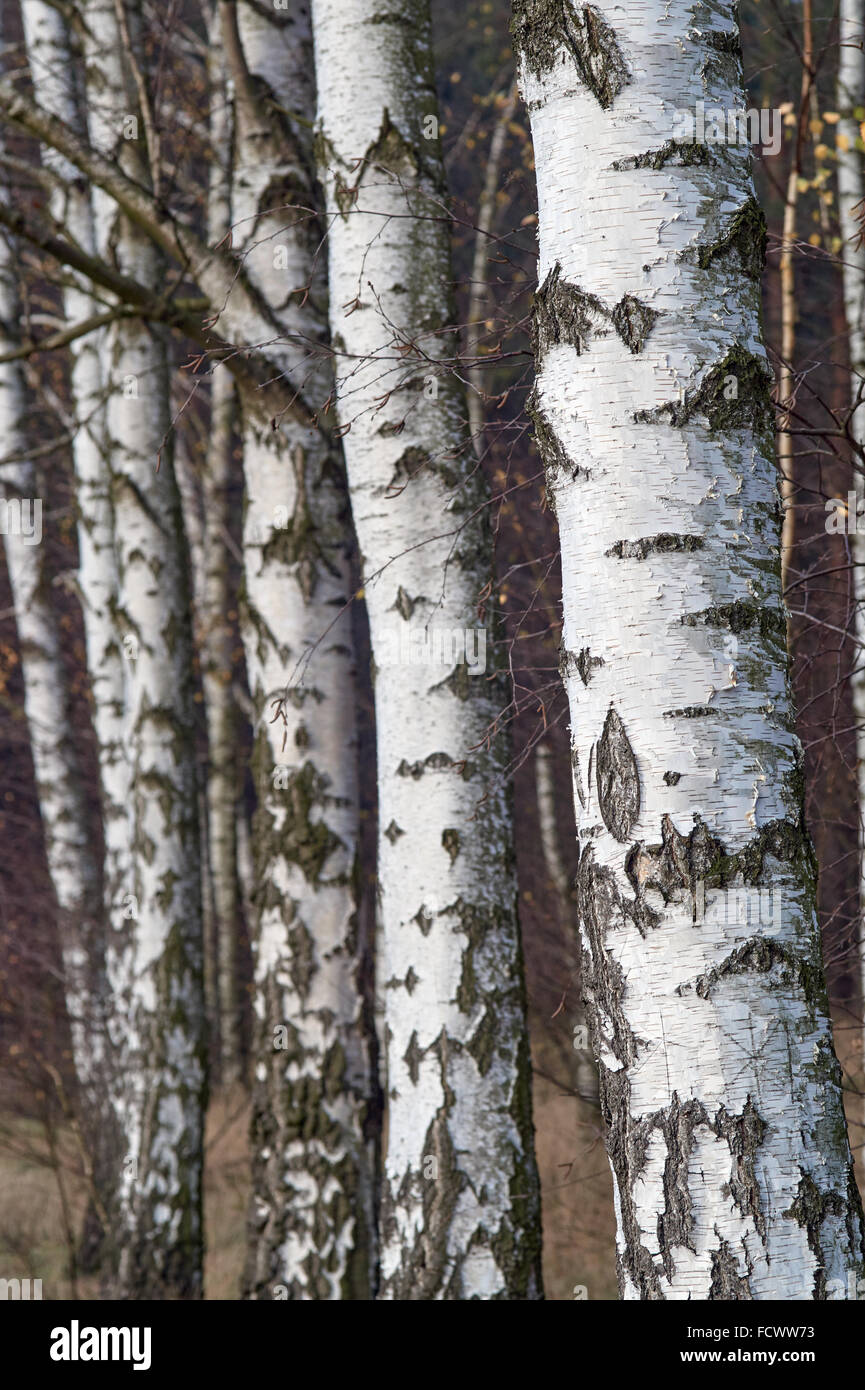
(155, 958)
(72, 859)
(53, 76)
(703, 969)
(460, 1203)
(851, 192)
(219, 629)
(311, 1219)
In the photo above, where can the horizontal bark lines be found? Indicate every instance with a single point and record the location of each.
(702, 959)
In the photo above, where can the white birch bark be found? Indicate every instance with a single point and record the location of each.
(311, 1219)
(851, 192)
(72, 860)
(703, 968)
(155, 957)
(460, 1206)
(54, 83)
(219, 631)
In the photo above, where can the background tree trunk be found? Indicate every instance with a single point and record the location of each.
(311, 1219)
(460, 1207)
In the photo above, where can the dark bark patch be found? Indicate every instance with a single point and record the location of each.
(746, 234)
(677, 152)
(743, 615)
(583, 663)
(665, 543)
(618, 778)
(403, 604)
(748, 406)
(393, 832)
(553, 454)
(451, 842)
(633, 321)
(542, 28)
(600, 907)
(675, 1224)
(809, 1210)
(413, 1058)
(744, 1134)
(727, 1284)
(563, 313)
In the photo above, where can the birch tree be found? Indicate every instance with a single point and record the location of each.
(311, 1218)
(702, 959)
(60, 780)
(851, 192)
(155, 959)
(459, 1212)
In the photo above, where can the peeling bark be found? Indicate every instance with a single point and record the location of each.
(460, 1203)
(702, 964)
(311, 1223)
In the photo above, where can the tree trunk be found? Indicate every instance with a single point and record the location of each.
(156, 956)
(460, 1201)
(851, 192)
(311, 1220)
(703, 970)
(52, 73)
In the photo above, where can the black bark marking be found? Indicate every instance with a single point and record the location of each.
(618, 779)
(403, 604)
(583, 664)
(600, 906)
(809, 1210)
(675, 1224)
(663, 544)
(627, 1142)
(564, 313)
(541, 28)
(633, 321)
(741, 616)
(728, 1285)
(744, 1133)
(422, 920)
(451, 842)
(747, 235)
(413, 1058)
(671, 778)
(750, 408)
(677, 152)
(393, 832)
(553, 454)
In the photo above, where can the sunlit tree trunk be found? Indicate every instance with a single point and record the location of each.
(311, 1220)
(459, 1213)
(703, 971)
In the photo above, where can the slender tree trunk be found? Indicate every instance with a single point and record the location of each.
(851, 193)
(460, 1202)
(220, 632)
(72, 858)
(311, 1220)
(53, 75)
(703, 969)
(787, 271)
(156, 955)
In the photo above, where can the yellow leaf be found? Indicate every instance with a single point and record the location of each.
(842, 141)
(832, 117)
